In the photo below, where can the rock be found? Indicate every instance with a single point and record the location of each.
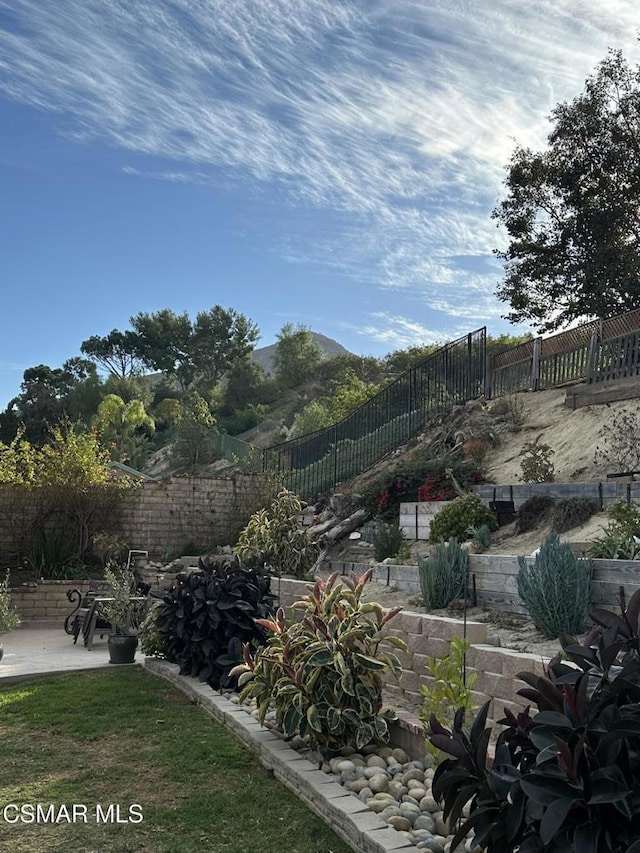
(426, 822)
(400, 823)
(365, 795)
(494, 639)
(441, 826)
(410, 810)
(358, 785)
(343, 765)
(414, 773)
(417, 794)
(379, 783)
(390, 811)
(349, 776)
(326, 767)
(428, 804)
(397, 789)
(400, 755)
(431, 844)
(376, 761)
(376, 805)
(415, 783)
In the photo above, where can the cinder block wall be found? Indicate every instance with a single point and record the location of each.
(46, 601)
(165, 517)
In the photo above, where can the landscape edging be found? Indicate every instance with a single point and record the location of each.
(347, 816)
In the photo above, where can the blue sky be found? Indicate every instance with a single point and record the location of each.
(329, 162)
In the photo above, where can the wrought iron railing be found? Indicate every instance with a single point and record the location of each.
(314, 464)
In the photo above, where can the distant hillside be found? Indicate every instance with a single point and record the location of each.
(264, 355)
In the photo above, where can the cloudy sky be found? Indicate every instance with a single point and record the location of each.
(329, 162)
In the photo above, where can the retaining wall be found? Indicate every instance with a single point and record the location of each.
(46, 602)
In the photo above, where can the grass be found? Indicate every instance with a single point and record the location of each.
(124, 737)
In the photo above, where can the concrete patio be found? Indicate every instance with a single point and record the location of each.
(30, 652)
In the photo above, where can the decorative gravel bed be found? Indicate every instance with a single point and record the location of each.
(389, 782)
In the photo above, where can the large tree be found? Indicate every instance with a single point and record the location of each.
(116, 352)
(296, 356)
(200, 351)
(572, 211)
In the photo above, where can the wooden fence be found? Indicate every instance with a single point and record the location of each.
(604, 493)
(599, 351)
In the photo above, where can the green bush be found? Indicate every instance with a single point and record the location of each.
(534, 512)
(388, 541)
(572, 512)
(443, 577)
(416, 480)
(323, 672)
(275, 534)
(481, 535)
(453, 520)
(619, 540)
(451, 689)
(556, 589)
(208, 614)
(152, 642)
(566, 778)
(536, 464)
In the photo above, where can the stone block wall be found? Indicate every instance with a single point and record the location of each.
(164, 518)
(46, 602)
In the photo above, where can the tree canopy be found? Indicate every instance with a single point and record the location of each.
(296, 356)
(572, 211)
(187, 351)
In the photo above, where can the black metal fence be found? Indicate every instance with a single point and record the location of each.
(314, 464)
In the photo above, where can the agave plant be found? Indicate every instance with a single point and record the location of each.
(323, 673)
(568, 777)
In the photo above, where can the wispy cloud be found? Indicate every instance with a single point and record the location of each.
(397, 116)
(396, 332)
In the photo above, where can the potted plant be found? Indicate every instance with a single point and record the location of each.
(119, 609)
(9, 616)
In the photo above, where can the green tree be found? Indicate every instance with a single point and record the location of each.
(572, 211)
(116, 352)
(51, 395)
(195, 426)
(296, 356)
(346, 395)
(221, 338)
(162, 343)
(118, 422)
(202, 350)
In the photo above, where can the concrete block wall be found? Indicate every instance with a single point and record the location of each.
(46, 602)
(164, 517)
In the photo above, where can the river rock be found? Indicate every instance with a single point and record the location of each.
(376, 761)
(400, 823)
(379, 783)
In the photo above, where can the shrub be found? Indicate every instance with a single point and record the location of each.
(152, 642)
(572, 512)
(510, 410)
(481, 535)
(451, 689)
(621, 447)
(568, 777)
(388, 541)
(423, 480)
(534, 512)
(476, 449)
(275, 535)
(536, 464)
(453, 520)
(443, 577)
(556, 589)
(208, 614)
(619, 540)
(323, 673)
(9, 616)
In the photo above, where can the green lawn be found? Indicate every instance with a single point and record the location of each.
(125, 738)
